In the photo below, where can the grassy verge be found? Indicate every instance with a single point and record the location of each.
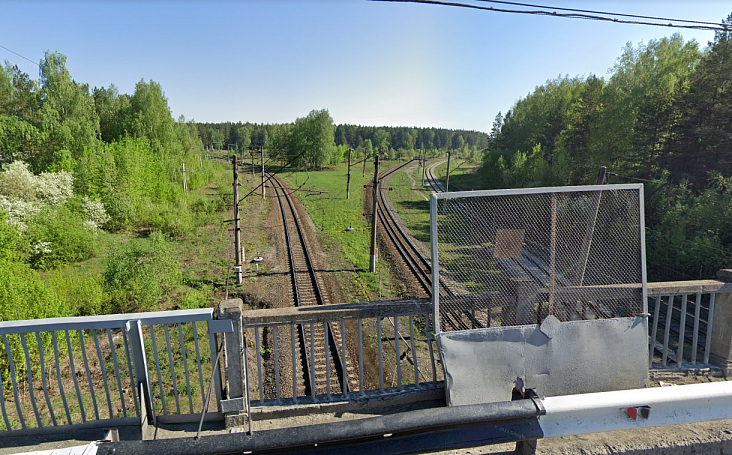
(323, 193)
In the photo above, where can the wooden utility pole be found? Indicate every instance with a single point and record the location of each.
(237, 228)
(364, 163)
(263, 189)
(601, 176)
(348, 184)
(447, 184)
(374, 217)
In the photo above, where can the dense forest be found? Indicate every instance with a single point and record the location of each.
(662, 117)
(388, 142)
(80, 162)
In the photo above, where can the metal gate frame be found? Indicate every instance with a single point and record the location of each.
(435, 197)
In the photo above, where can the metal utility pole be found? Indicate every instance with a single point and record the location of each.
(447, 184)
(424, 166)
(185, 184)
(348, 184)
(263, 189)
(374, 218)
(237, 228)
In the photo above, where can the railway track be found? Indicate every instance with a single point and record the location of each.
(415, 259)
(315, 341)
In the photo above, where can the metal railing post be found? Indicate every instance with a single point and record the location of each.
(139, 365)
(235, 405)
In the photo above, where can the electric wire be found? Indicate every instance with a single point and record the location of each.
(21, 56)
(717, 28)
(636, 16)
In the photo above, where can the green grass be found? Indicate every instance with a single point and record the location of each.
(323, 193)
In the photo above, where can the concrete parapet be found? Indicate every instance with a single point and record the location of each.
(234, 365)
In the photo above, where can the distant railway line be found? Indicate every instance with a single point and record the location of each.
(414, 258)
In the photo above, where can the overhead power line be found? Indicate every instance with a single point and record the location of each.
(529, 5)
(581, 14)
(21, 56)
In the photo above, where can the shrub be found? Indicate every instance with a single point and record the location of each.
(59, 236)
(139, 275)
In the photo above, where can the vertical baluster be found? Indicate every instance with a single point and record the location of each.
(277, 365)
(116, 372)
(185, 366)
(398, 353)
(73, 375)
(710, 324)
(43, 379)
(2, 407)
(103, 369)
(88, 373)
(294, 363)
(414, 352)
(217, 371)
(381, 357)
(14, 381)
(345, 360)
(173, 377)
(695, 338)
(133, 387)
(29, 372)
(157, 366)
(428, 335)
(198, 362)
(360, 357)
(682, 330)
(667, 331)
(654, 332)
(327, 360)
(312, 361)
(259, 365)
(58, 378)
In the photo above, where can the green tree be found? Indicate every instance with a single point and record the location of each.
(313, 136)
(68, 118)
(150, 116)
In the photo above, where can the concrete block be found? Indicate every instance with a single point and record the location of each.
(236, 420)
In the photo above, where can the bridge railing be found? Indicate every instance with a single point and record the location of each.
(682, 325)
(387, 350)
(67, 371)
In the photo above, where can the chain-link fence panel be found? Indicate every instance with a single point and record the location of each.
(513, 257)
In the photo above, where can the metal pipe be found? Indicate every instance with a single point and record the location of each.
(512, 420)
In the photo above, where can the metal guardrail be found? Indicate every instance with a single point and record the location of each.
(89, 367)
(681, 315)
(392, 336)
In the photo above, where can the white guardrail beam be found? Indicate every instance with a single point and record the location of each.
(638, 408)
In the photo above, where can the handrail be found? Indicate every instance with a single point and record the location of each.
(107, 321)
(326, 313)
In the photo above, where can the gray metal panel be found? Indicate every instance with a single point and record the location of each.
(556, 358)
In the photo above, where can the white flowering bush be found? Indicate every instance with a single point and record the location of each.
(17, 182)
(19, 212)
(95, 212)
(55, 188)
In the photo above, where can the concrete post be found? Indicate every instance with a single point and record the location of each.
(234, 406)
(721, 338)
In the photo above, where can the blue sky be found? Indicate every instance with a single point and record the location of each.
(368, 63)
